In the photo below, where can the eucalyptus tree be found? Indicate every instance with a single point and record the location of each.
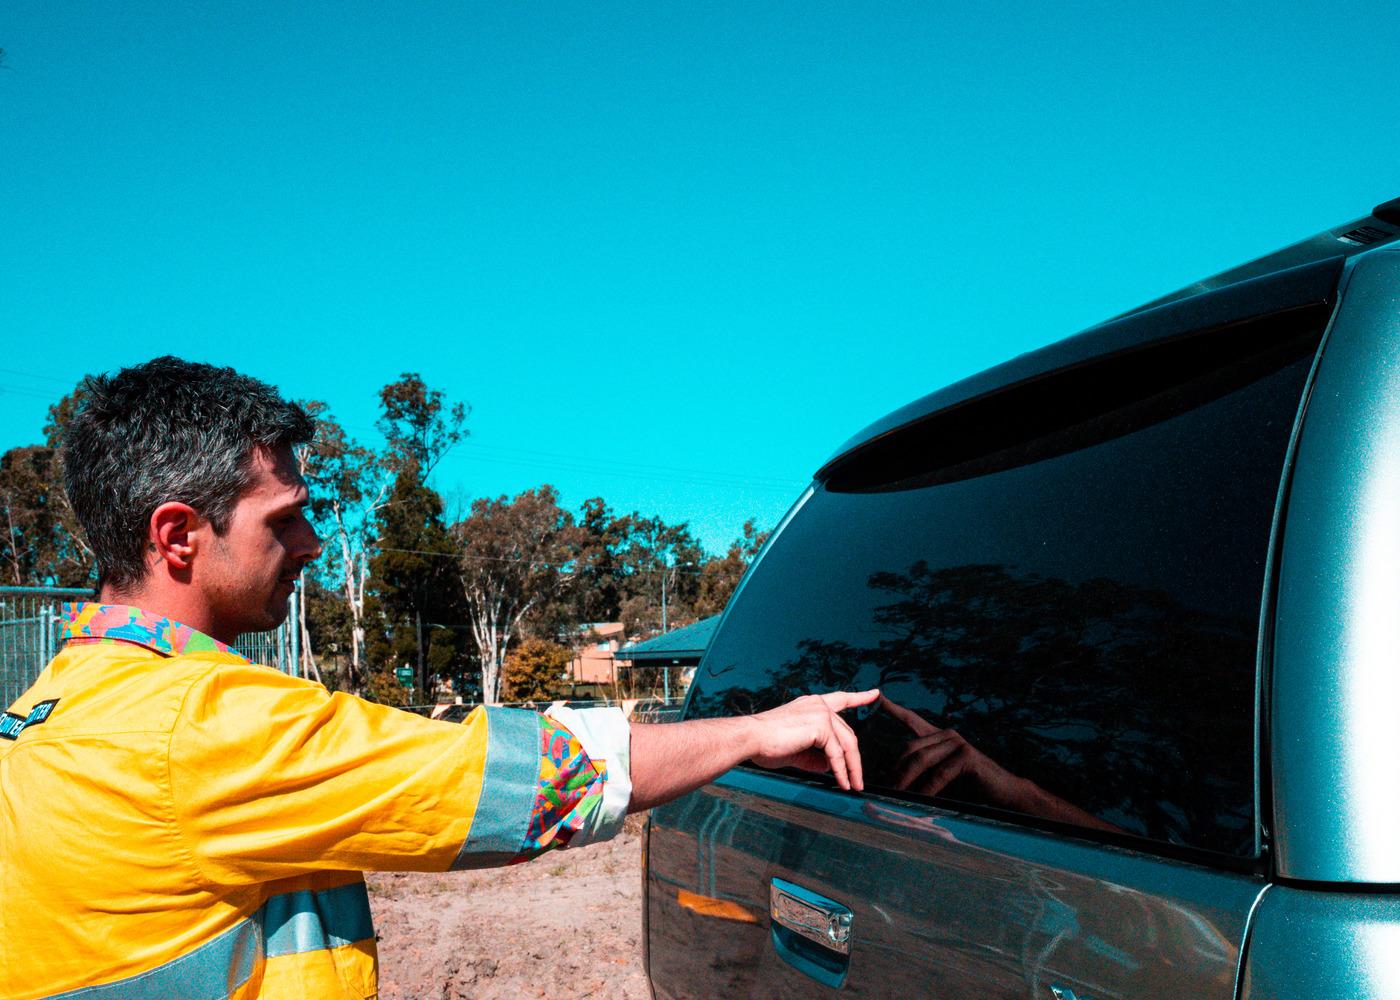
(514, 555)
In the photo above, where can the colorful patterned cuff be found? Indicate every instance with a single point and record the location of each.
(607, 739)
(569, 792)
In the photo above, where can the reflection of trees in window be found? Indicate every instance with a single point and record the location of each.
(1115, 697)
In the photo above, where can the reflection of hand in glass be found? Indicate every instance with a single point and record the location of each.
(935, 757)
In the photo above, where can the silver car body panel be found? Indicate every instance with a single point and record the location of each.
(1335, 688)
(946, 905)
(1323, 944)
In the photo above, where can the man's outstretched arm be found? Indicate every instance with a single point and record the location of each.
(670, 759)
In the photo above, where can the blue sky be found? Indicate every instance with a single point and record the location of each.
(672, 254)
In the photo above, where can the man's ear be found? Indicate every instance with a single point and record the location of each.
(172, 538)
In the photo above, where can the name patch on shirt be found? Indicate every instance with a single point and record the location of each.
(11, 725)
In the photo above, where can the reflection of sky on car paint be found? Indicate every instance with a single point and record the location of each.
(715, 239)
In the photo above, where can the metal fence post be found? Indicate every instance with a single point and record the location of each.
(30, 627)
(294, 622)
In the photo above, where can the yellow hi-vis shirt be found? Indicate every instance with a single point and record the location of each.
(178, 822)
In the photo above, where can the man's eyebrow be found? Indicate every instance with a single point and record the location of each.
(300, 503)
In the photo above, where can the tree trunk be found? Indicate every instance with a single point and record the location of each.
(308, 656)
(485, 610)
(357, 623)
(10, 545)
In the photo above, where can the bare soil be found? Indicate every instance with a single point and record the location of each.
(568, 923)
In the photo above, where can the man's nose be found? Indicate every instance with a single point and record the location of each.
(310, 547)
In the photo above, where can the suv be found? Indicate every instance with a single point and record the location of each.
(1133, 602)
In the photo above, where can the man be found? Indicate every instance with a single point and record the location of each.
(179, 822)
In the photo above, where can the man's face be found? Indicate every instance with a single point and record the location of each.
(249, 571)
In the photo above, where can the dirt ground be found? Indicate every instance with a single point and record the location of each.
(568, 923)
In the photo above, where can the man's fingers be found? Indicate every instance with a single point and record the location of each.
(804, 734)
(851, 747)
(836, 756)
(839, 701)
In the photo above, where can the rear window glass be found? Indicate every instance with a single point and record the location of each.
(1062, 612)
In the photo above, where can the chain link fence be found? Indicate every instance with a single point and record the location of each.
(31, 624)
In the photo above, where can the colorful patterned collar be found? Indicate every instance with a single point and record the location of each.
(92, 622)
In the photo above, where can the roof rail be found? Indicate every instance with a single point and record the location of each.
(1382, 226)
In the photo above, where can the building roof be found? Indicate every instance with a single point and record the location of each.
(678, 645)
(602, 629)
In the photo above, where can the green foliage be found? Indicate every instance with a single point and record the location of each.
(596, 594)
(414, 600)
(414, 583)
(347, 482)
(534, 670)
(512, 553)
(620, 565)
(330, 631)
(419, 427)
(718, 578)
(59, 415)
(384, 687)
(41, 542)
(341, 474)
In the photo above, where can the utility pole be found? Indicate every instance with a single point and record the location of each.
(422, 677)
(666, 571)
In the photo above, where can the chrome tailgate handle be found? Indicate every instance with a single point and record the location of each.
(822, 921)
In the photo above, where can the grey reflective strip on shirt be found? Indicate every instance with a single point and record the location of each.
(509, 783)
(288, 924)
(297, 922)
(211, 972)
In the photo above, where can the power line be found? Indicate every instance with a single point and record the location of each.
(532, 562)
(588, 465)
(647, 467)
(714, 480)
(562, 567)
(42, 378)
(535, 458)
(524, 457)
(11, 390)
(506, 453)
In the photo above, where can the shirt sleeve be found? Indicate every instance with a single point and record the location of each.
(272, 776)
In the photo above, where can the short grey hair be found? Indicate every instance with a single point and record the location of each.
(166, 430)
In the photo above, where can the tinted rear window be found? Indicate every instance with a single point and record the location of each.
(1073, 585)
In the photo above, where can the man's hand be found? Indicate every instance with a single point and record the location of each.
(807, 733)
(671, 759)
